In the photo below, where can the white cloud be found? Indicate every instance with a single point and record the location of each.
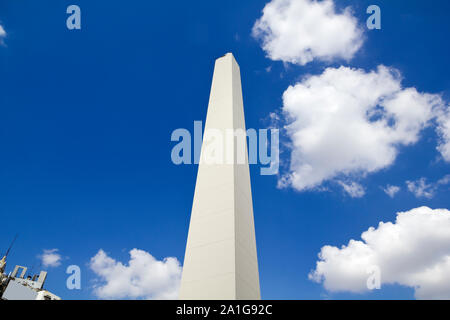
(391, 191)
(445, 180)
(354, 190)
(299, 31)
(421, 189)
(444, 134)
(2, 34)
(50, 258)
(348, 122)
(143, 277)
(414, 251)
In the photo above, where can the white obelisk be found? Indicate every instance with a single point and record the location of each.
(221, 260)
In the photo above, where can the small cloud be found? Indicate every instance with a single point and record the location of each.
(50, 258)
(443, 131)
(268, 69)
(354, 190)
(2, 34)
(421, 189)
(445, 180)
(391, 191)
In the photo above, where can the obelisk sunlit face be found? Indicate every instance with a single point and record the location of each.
(221, 260)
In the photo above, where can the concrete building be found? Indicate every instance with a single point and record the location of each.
(221, 258)
(18, 286)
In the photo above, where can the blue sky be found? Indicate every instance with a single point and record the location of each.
(86, 117)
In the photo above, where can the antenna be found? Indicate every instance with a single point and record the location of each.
(10, 246)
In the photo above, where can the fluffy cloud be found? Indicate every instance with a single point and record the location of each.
(444, 134)
(391, 191)
(348, 122)
(299, 31)
(50, 258)
(414, 251)
(143, 277)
